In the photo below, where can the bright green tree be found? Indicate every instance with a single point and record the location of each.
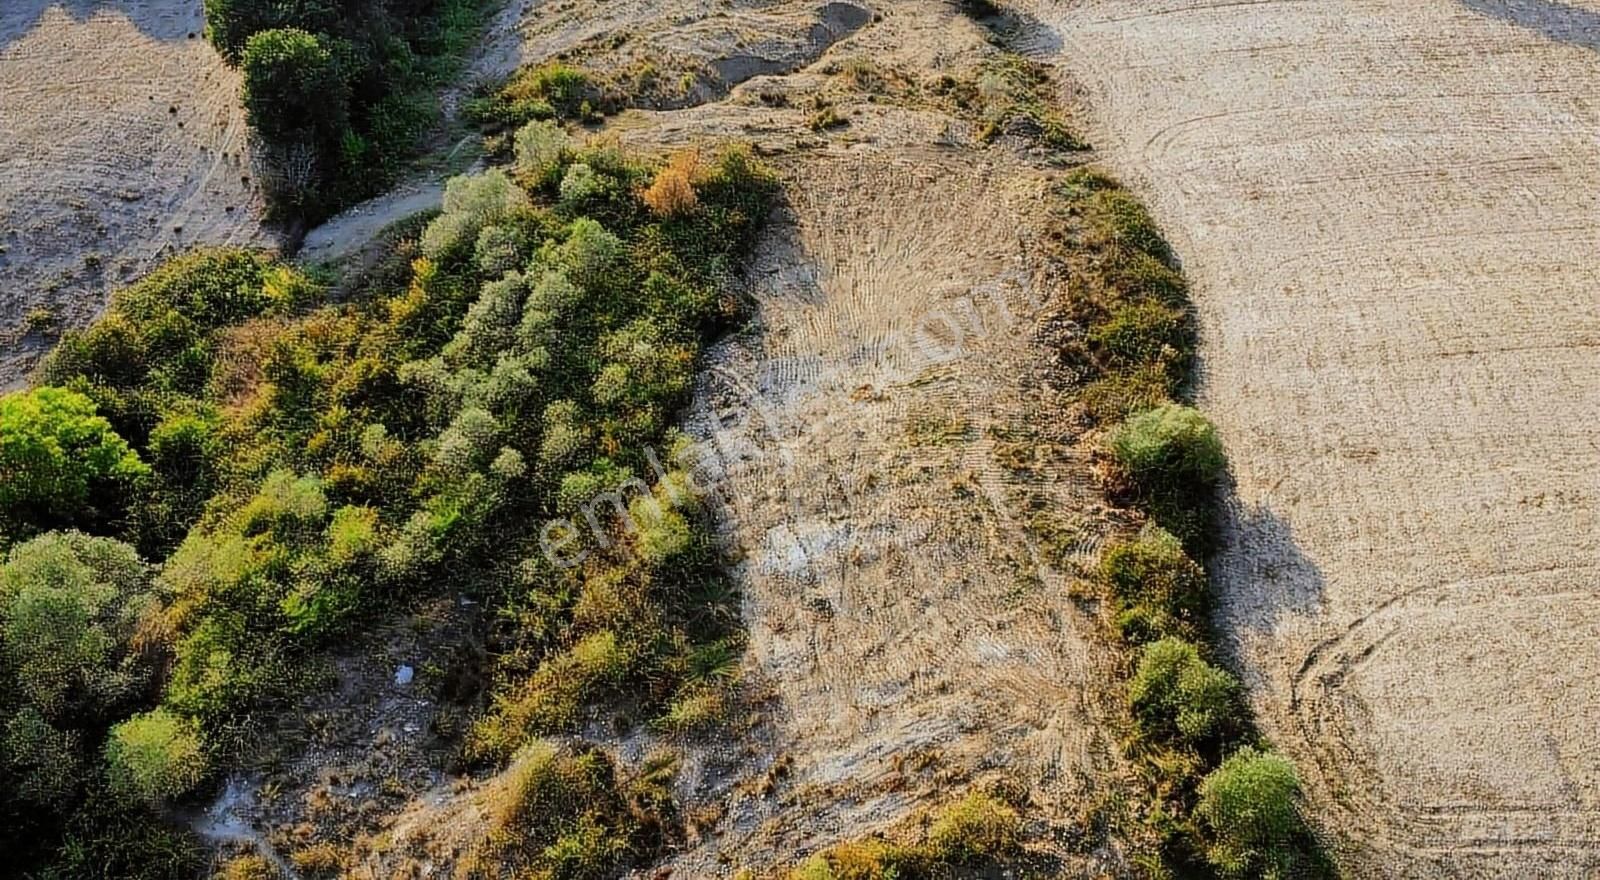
(1249, 805)
(60, 462)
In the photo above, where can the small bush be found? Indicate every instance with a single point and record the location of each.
(1158, 589)
(552, 90)
(538, 146)
(1179, 698)
(977, 827)
(672, 194)
(1249, 807)
(858, 860)
(154, 756)
(1171, 446)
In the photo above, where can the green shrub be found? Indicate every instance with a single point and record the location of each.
(1179, 698)
(72, 606)
(1144, 333)
(1158, 589)
(154, 756)
(1169, 447)
(551, 90)
(538, 146)
(1249, 808)
(860, 860)
(60, 463)
(977, 827)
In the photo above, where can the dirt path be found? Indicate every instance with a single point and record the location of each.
(1391, 210)
(121, 143)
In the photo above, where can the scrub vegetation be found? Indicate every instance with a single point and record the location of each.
(338, 93)
(226, 475)
(1221, 803)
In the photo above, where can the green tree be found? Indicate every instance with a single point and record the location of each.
(60, 462)
(1249, 805)
(294, 88)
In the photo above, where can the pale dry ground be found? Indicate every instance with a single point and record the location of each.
(896, 604)
(1391, 213)
(121, 143)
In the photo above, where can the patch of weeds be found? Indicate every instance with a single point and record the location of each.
(1013, 95)
(1157, 590)
(825, 118)
(926, 428)
(552, 90)
(980, 831)
(40, 320)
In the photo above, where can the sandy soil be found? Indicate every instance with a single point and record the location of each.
(877, 440)
(121, 142)
(897, 604)
(1391, 211)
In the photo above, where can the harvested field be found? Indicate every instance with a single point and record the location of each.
(1391, 213)
(122, 143)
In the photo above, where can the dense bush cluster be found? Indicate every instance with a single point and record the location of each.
(338, 90)
(1222, 805)
(496, 425)
(83, 644)
(547, 91)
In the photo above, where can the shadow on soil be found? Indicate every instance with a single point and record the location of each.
(1554, 21)
(157, 19)
(1261, 573)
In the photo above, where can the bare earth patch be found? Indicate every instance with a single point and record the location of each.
(1391, 212)
(121, 143)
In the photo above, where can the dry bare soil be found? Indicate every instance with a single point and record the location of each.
(1391, 211)
(122, 142)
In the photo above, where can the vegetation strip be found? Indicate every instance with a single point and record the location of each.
(1221, 802)
(300, 469)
